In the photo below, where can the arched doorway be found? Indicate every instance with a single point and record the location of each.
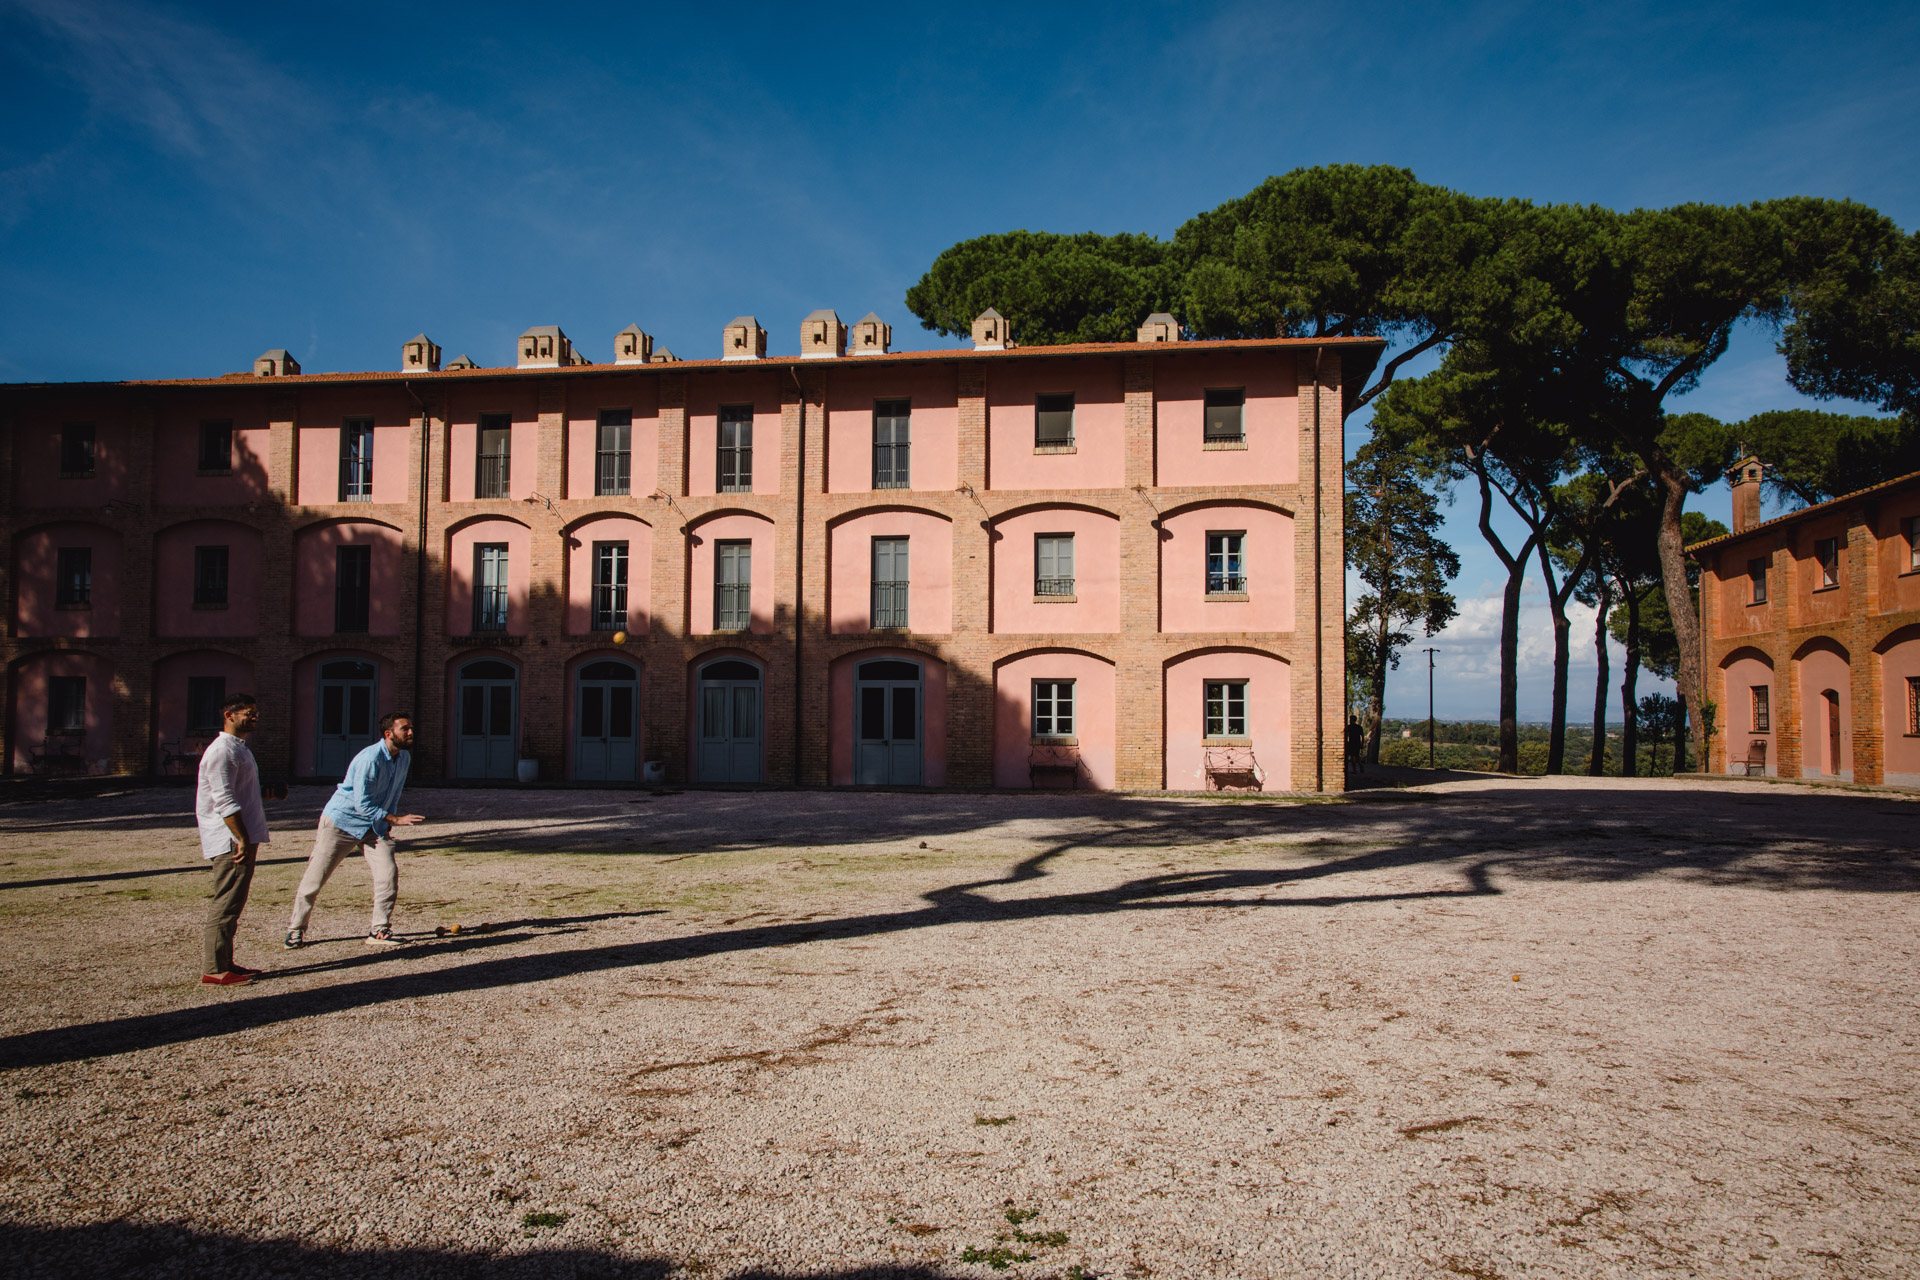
(727, 719)
(888, 723)
(606, 722)
(345, 697)
(488, 699)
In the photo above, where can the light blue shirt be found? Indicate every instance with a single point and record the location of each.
(370, 792)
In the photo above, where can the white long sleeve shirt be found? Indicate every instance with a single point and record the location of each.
(229, 783)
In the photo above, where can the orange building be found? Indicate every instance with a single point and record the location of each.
(1114, 565)
(1810, 635)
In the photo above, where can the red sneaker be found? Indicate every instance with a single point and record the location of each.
(231, 978)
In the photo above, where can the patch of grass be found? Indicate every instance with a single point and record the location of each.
(29, 1095)
(999, 1257)
(540, 1218)
(1018, 1216)
(993, 1120)
(1051, 1239)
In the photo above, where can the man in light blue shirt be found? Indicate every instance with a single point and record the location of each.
(361, 816)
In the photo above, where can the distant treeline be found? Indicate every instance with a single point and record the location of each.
(1474, 744)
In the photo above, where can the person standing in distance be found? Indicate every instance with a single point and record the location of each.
(361, 816)
(233, 826)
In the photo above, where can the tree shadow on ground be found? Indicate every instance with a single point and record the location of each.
(185, 1253)
(1757, 842)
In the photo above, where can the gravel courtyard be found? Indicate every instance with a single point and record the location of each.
(1490, 1028)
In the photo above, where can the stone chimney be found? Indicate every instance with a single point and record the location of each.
(822, 336)
(872, 336)
(277, 363)
(631, 346)
(1160, 327)
(1745, 479)
(544, 347)
(664, 356)
(463, 361)
(743, 339)
(990, 331)
(419, 354)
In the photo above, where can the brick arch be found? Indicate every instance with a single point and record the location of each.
(1094, 752)
(171, 736)
(1028, 508)
(461, 542)
(1821, 665)
(1269, 713)
(175, 610)
(1094, 606)
(306, 681)
(731, 524)
(879, 508)
(315, 547)
(570, 704)
(1269, 559)
(929, 536)
(1818, 644)
(1203, 503)
(1746, 653)
(29, 688)
(578, 541)
(36, 559)
(840, 711)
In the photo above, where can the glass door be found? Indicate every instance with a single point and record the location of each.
(488, 742)
(346, 700)
(888, 723)
(606, 744)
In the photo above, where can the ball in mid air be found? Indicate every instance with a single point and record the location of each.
(619, 637)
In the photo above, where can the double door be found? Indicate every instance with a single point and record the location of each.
(488, 741)
(606, 744)
(347, 697)
(889, 723)
(729, 723)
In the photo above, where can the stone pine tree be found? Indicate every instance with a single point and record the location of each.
(1393, 524)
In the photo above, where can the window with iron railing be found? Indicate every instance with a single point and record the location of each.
(1053, 564)
(613, 458)
(889, 584)
(1762, 709)
(1226, 416)
(609, 586)
(356, 460)
(204, 696)
(210, 577)
(73, 577)
(352, 589)
(734, 465)
(66, 704)
(732, 586)
(1227, 564)
(490, 587)
(892, 446)
(76, 450)
(1913, 706)
(493, 472)
(1226, 708)
(1053, 421)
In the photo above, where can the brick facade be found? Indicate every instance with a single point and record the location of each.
(1828, 649)
(425, 424)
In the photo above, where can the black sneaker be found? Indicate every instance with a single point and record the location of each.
(296, 938)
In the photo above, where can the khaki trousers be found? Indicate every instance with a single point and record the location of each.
(232, 878)
(330, 846)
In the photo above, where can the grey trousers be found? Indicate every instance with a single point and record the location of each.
(331, 845)
(232, 878)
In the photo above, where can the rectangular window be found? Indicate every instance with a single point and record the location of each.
(1826, 552)
(493, 472)
(1226, 708)
(356, 460)
(216, 446)
(490, 586)
(73, 578)
(66, 704)
(609, 586)
(891, 444)
(1227, 564)
(734, 466)
(1226, 413)
(732, 586)
(204, 696)
(1053, 564)
(1913, 544)
(613, 454)
(1913, 706)
(76, 450)
(1762, 709)
(1757, 576)
(889, 583)
(1053, 708)
(1052, 421)
(352, 589)
(210, 577)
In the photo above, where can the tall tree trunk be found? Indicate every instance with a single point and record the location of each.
(1629, 705)
(1557, 734)
(1680, 736)
(1674, 487)
(1509, 761)
(1377, 686)
(1597, 765)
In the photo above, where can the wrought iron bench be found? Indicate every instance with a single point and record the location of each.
(58, 753)
(1234, 768)
(1755, 765)
(1056, 767)
(182, 754)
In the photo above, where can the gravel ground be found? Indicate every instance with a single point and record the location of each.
(1491, 1028)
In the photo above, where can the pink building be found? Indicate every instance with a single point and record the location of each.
(1112, 565)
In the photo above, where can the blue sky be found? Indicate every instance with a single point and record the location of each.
(182, 187)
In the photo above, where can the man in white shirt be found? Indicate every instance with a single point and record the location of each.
(233, 826)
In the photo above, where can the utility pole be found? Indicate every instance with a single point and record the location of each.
(1430, 652)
